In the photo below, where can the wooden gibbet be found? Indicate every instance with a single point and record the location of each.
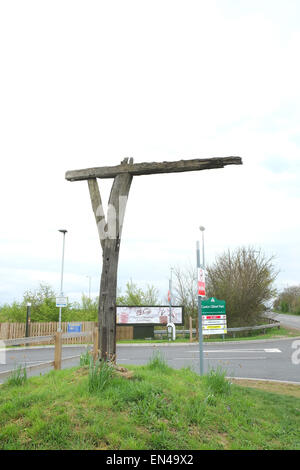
(110, 226)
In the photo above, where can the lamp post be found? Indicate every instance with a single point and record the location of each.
(171, 325)
(90, 280)
(200, 269)
(27, 320)
(62, 276)
(170, 297)
(203, 258)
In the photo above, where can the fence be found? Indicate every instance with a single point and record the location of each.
(271, 324)
(58, 339)
(46, 329)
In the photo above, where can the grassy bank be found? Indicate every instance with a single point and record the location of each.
(153, 407)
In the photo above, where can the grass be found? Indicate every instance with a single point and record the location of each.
(157, 408)
(18, 376)
(100, 374)
(270, 334)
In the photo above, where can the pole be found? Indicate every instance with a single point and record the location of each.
(89, 277)
(62, 276)
(200, 317)
(170, 303)
(27, 320)
(203, 258)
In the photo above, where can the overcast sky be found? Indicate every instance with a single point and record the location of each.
(87, 83)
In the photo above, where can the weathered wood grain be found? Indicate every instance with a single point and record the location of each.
(110, 258)
(151, 168)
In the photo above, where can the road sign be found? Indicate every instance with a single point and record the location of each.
(74, 327)
(214, 320)
(201, 282)
(61, 301)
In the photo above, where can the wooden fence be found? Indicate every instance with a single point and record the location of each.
(17, 330)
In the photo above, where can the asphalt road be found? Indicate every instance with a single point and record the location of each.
(291, 321)
(269, 359)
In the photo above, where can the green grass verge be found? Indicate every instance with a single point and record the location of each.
(155, 408)
(270, 334)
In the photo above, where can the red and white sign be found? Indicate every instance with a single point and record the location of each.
(201, 282)
(214, 317)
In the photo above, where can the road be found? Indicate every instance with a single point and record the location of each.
(291, 321)
(263, 359)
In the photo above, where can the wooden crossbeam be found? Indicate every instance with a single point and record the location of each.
(151, 168)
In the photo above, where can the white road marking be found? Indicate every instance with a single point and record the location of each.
(221, 358)
(273, 350)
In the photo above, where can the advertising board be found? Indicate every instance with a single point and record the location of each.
(149, 315)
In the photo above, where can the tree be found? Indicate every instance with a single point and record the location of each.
(184, 289)
(43, 304)
(134, 295)
(43, 307)
(244, 279)
(288, 300)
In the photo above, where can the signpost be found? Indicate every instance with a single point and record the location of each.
(201, 293)
(61, 301)
(214, 317)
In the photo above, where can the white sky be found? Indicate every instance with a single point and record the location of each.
(87, 83)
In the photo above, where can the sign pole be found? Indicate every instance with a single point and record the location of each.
(27, 320)
(200, 316)
(62, 277)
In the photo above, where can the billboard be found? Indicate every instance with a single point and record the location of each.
(148, 315)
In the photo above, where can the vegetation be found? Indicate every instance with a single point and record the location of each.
(18, 376)
(244, 278)
(288, 301)
(151, 410)
(100, 373)
(185, 290)
(43, 305)
(134, 295)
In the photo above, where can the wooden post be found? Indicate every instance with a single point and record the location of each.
(95, 343)
(57, 350)
(191, 329)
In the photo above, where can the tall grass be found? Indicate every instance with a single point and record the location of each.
(158, 363)
(17, 377)
(85, 359)
(100, 374)
(216, 382)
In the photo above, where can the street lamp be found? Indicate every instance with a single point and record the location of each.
(203, 259)
(62, 275)
(27, 320)
(90, 280)
(170, 297)
(201, 285)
